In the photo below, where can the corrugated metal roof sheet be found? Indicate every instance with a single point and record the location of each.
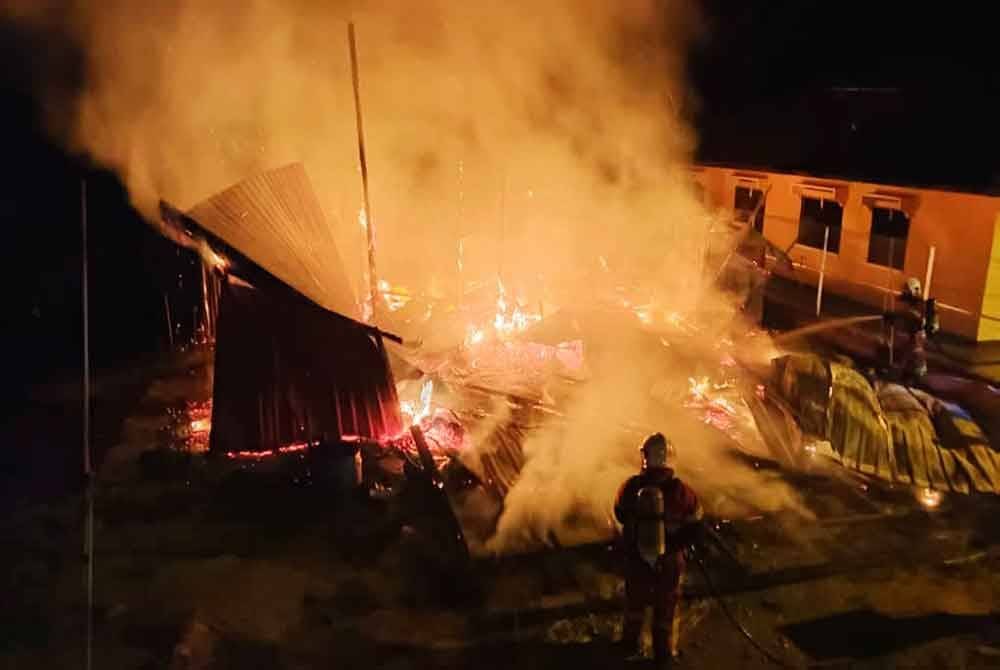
(275, 220)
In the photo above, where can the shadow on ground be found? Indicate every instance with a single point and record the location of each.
(864, 633)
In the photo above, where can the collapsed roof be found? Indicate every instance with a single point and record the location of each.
(292, 366)
(275, 220)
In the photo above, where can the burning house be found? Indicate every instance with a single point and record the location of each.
(292, 367)
(490, 412)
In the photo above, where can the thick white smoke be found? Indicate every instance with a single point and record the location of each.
(559, 114)
(544, 135)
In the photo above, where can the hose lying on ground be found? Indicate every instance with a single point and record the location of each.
(732, 619)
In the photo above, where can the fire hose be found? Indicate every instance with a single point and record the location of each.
(692, 551)
(732, 618)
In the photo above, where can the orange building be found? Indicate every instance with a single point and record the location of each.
(876, 235)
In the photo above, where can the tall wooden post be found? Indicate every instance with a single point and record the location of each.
(930, 272)
(369, 219)
(88, 467)
(822, 271)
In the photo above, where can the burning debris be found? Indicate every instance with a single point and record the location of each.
(189, 425)
(513, 408)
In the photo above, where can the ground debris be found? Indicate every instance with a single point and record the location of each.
(195, 650)
(584, 629)
(608, 627)
(987, 650)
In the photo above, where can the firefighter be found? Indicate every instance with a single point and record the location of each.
(910, 327)
(659, 515)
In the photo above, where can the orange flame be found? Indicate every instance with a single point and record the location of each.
(199, 426)
(416, 411)
(395, 297)
(929, 498)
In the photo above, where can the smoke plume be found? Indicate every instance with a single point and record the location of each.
(537, 132)
(544, 135)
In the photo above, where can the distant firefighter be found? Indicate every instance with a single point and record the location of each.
(658, 512)
(908, 329)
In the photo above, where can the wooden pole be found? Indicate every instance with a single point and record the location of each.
(86, 329)
(503, 227)
(930, 272)
(892, 304)
(822, 271)
(207, 312)
(170, 322)
(459, 226)
(88, 467)
(369, 219)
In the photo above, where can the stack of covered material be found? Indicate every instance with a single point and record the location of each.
(893, 432)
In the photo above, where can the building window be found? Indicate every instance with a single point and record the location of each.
(814, 218)
(887, 244)
(746, 202)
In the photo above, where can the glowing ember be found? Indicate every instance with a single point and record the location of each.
(267, 453)
(929, 498)
(443, 431)
(727, 414)
(199, 426)
(191, 425)
(645, 316)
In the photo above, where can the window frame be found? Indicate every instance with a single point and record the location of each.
(751, 189)
(833, 243)
(890, 261)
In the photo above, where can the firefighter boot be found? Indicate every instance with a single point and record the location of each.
(631, 642)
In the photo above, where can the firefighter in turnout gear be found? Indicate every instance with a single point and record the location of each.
(909, 328)
(659, 515)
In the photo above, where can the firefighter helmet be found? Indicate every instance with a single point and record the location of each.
(656, 450)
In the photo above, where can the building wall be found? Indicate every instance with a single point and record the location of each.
(959, 225)
(989, 322)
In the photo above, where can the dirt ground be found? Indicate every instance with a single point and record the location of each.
(208, 565)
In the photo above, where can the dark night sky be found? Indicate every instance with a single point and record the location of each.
(764, 77)
(131, 266)
(767, 72)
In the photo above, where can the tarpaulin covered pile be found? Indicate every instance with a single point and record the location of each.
(890, 431)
